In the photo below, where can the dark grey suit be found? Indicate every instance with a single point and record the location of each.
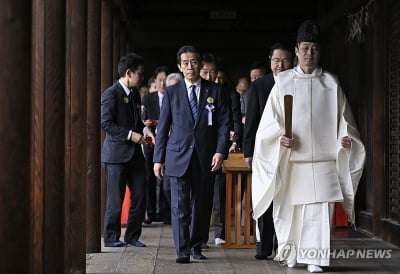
(187, 148)
(123, 162)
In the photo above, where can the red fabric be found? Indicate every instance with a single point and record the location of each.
(340, 217)
(125, 207)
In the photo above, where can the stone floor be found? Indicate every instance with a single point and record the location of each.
(159, 256)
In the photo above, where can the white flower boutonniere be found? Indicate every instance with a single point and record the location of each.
(210, 108)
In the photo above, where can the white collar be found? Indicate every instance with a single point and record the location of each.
(126, 89)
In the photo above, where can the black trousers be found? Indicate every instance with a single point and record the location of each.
(191, 204)
(158, 207)
(118, 176)
(219, 204)
(267, 233)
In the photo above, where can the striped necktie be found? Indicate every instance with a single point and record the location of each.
(193, 101)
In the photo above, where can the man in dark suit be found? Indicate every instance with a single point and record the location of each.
(209, 71)
(280, 59)
(122, 155)
(151, 104)
(192, 140)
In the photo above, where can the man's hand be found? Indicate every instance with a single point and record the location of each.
(148, 133)
(249, 161)
(217, 161)
(288, 142)
(138, 138)
(346, 142)
(158, 170)
(234, 148)
(232, 136)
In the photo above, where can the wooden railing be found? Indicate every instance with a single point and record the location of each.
(238, 234)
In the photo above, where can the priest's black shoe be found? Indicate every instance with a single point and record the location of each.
(183, 260)
(116, 244)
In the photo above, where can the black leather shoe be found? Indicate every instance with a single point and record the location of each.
(260, 257)
(183, 260)
(116, 244)
(148, 221)
(199, 256)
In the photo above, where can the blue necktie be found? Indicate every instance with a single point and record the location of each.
(193, 101)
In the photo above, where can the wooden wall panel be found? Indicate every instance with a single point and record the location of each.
(15, 96)
(93, 216)
(75, 136)
(48, 105)
(106, 71)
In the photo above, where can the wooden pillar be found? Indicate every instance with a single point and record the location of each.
(106, 71)
(48, 112)
(75, 136)
(377, 145)
(15, 96)
(116, 43)
(93, 215)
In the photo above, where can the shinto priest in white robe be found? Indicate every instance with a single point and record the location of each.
(304, 182)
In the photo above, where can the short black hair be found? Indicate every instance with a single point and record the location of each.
(161, 69)
(282, 46)
(132, 61)
(150, 81)
(209, 58)
(258, 65)
(185, 49)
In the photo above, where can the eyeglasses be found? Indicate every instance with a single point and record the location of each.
(193, 62)
(278, 61)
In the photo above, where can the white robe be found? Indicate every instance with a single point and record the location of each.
(318, 170)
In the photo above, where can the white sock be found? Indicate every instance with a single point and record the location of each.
(291, 263)
(314, 268)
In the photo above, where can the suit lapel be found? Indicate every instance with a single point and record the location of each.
(128, 107)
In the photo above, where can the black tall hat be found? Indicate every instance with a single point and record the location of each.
(308, 32)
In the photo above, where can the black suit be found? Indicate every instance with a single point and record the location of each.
(123, 162)
(257, 99)
(151, 111)
(219, 199)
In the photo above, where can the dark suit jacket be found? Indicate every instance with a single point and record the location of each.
(178, 134)
(257, 98)
(151, 111)
(234, 103)
(118, 116)
(152, 108)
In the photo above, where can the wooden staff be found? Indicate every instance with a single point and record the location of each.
(288, 102)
